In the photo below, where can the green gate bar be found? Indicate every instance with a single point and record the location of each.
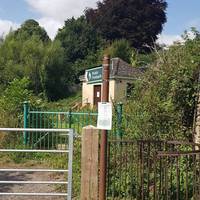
(26, 110)
(58, 119)
(119, 120)
(63, 119)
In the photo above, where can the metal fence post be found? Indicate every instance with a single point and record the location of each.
(70, 161)
(26, 109)
(70, 118)
(119, 120)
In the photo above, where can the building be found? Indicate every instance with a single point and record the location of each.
(122, 75)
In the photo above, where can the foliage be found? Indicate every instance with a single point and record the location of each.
(138, 21)
(26, 55)
(64, 104)
(78, 39)
(121, 49)
(31, 28)
(162, 103)
(56, 75)
(9, 59)
(81, 44)
(32, 59)
(1, 40)
(22, 58)
(11, 101)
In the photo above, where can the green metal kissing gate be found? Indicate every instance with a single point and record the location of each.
(61, 119)
(52, 119)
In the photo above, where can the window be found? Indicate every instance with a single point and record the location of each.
(129, 89)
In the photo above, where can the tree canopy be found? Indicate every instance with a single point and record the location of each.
(31, 28)
(28, 52)
(121, 49)
(138, 21)
(57, 76)
(78, 38)
(81, 44)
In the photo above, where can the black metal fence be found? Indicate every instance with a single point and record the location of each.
(177, 175)
(157, 170)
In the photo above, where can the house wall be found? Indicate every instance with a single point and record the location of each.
(112, 91)
(121, 90)
(117, 91)
(87, 93)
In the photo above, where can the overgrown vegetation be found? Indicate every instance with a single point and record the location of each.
(163, 101)
(54, 67)
(46, 73)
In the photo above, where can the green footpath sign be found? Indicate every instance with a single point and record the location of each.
(94, 75)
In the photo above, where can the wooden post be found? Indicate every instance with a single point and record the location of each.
(103, 152)
(89, 163)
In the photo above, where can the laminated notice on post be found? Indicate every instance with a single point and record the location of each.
(104, 120)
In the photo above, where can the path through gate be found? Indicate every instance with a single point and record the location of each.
(60, 145)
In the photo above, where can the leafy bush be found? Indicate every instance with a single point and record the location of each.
(120, 48)
(163, 101)
(11, 102)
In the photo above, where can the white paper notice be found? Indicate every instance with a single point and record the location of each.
(104, 116)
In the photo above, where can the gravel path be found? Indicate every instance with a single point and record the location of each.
(30, 188)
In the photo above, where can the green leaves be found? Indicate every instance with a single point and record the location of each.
(165, 96)
(11, 102)
(137, 21)
(78, 39)
(15, 94)
(29, 29)
(121, 49)
(57, 76)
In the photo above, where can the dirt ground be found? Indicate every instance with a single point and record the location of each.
(29, 188)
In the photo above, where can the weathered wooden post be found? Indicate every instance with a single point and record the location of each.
(89, 163)
(103, 152)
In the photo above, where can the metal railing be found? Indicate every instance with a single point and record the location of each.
(14, 144)
(59, 119)
(176, 175)
(69, 119)
(153, 170)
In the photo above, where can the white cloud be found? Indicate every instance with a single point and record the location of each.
(50, 25)
(6, 26)
(169, 39)
(55, 12)
(60, 9)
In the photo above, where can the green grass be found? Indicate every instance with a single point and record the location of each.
(65, 104)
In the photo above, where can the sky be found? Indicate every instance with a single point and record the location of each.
(51, 14)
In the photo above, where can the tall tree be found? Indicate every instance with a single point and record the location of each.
(79, 40)
(81, 45)
(10, 60)
(22, 59)
(139, 21)
(32, 60)
(56, 75)
(31, 28)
